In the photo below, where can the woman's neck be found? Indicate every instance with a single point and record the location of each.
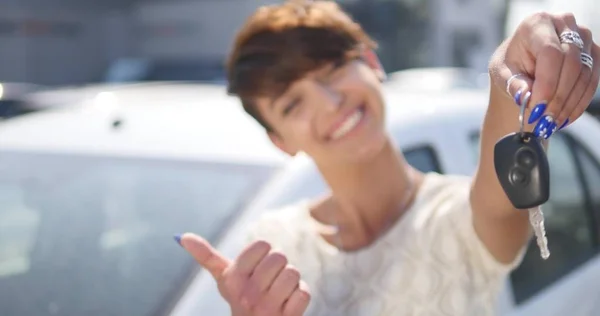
(367, 198)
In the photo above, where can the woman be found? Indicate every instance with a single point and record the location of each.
(387, 239)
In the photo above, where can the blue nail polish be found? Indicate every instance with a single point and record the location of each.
(518, 97)
(543, 127)
(564, 124)
(177, 239)
(537, 112)
(552, 129)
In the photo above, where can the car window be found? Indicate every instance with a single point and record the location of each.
(185, 71)
(594, 107)
(423, 158)
(590, 169)
(93, 236)
(10, 108)
(128, 70)
(567, 217)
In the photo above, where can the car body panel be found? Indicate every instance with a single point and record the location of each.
(437, 78)
(176, 144)
(13, 97)
(186, 121)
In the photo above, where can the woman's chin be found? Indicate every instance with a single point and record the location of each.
(369, 150)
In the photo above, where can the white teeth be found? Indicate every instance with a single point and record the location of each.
(348, 125)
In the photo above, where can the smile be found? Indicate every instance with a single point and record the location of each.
(348, 124)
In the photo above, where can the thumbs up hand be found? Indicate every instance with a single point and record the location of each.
(258, 282)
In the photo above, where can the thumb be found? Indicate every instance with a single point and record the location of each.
(207, 256)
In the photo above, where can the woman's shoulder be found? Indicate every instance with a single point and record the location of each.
(443, 185)
(288, 230)
(281, 224)
(441, 195)
(435, 178)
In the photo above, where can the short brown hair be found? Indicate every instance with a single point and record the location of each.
(280, 44)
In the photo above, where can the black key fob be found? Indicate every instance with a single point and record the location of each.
(522, 168)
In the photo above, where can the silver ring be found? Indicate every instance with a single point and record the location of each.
(513, 77)
(571, 37)
(587, 60)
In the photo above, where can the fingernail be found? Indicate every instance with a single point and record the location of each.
(177, 239)
(518, 97)
(564, 124)
(552, 128)
(543, 126)
(537, 112)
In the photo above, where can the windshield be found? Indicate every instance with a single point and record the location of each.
(136, 70)
(93, 236)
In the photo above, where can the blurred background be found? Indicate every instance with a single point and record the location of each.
(116, 132)
(67, 42)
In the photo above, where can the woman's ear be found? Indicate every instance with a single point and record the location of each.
(373, 61)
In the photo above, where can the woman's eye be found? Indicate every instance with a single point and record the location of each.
(291, 106)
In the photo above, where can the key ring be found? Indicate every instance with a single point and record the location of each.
(522, 116)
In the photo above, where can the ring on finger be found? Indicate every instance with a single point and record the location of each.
(571, 37)
(508, 82)
(587, 60)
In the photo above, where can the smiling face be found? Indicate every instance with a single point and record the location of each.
(308, 74)
(335, 113)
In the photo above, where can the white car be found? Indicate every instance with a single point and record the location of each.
(144, 70)
(55, 97)
(439, 131)
(13, 97)
(431, 79)
(92, 193)
(437, 78)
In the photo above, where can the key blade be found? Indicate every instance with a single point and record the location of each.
(536, 218)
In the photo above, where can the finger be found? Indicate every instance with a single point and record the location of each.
(263, 276)
(268, 269)
(283, 286)
(251, 257)
(591, 88)
(569, 74)
(576, 98)
(549, 56)
(207, 256)
(298, 302)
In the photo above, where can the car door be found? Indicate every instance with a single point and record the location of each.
(537, 287)
(563, 283)
(566, 283)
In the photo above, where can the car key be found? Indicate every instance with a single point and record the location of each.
(523, 171)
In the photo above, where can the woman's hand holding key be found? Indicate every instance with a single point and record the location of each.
(258, 282)
(549, 62)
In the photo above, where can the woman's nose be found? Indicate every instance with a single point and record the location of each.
(332, 99)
